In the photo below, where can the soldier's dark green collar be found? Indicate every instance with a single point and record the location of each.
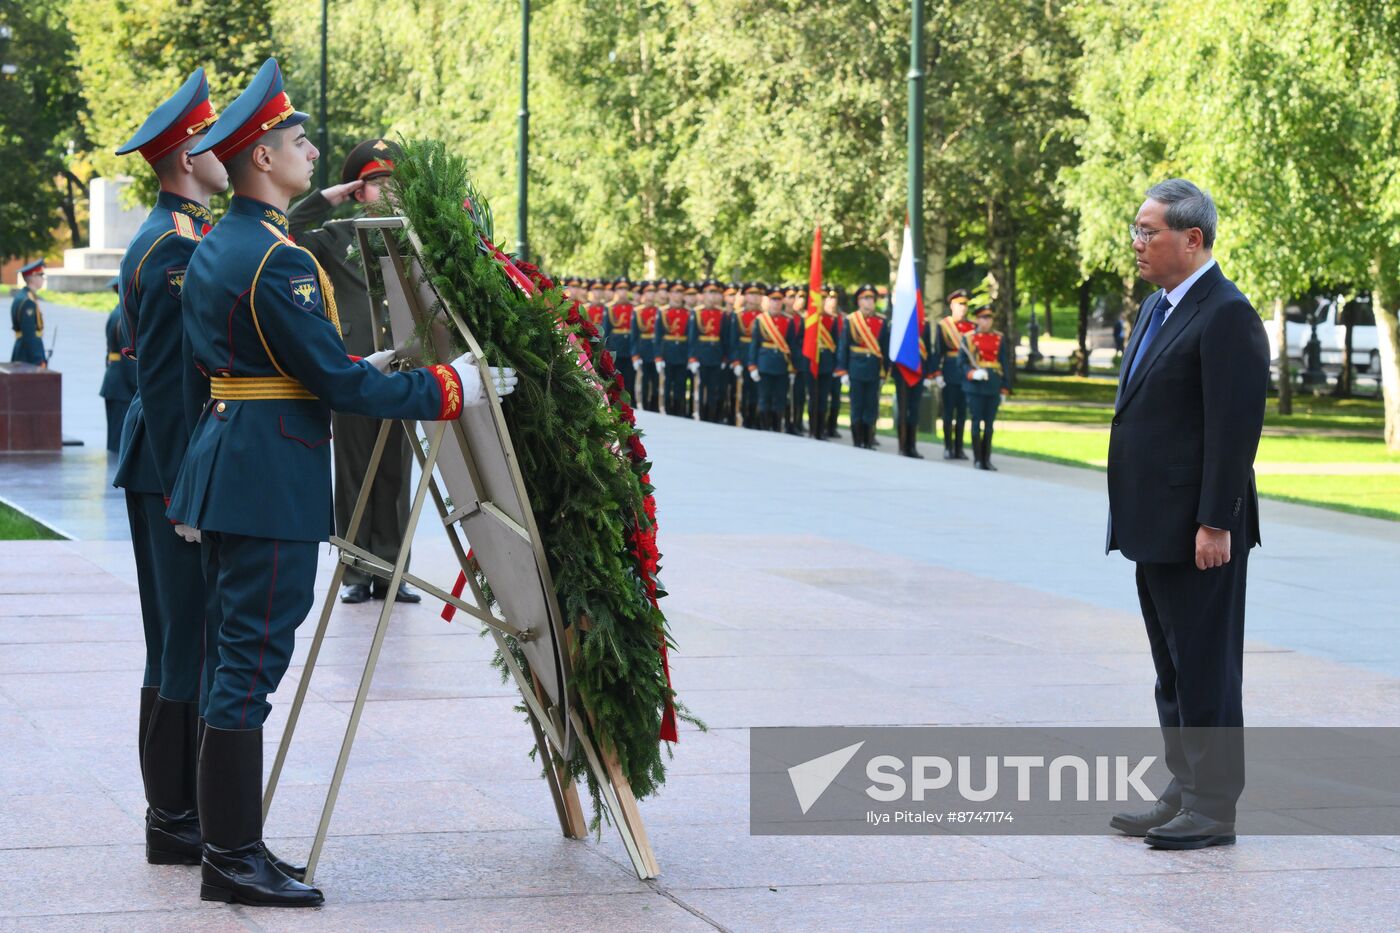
(252, 207)
(183, 205)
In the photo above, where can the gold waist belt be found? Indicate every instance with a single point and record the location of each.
(709, 340)
(256, 387)
(113, 357)
(675, 337)
(855, 349)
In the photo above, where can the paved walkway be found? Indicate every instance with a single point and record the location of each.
(810, 584)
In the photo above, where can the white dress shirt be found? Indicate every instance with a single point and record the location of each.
(1175, 296)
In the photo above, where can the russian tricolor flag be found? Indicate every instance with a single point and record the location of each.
(907, 319)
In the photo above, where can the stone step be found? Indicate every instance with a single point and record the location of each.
(91, 258)
(79, 280)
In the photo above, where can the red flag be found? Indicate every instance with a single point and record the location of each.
(814, 304)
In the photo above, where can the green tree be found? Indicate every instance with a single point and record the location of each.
(38, 104)
(131, 57)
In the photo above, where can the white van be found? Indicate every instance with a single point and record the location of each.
(1331, 331)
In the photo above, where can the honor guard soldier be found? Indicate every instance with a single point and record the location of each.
(828, 327)
(743, 335)
(831, 309)
(262, 326)
(672, 345)
(364, 178)
(709, 351)
(599, 296)
(949, 373)
(644, 345)
(860, 364)
(119, 378)
(617, 335)
(733, 300)
(987, 358)
(776, 337)
(796, 297)
(909, 398)
(572, 285)
(169, 569)
(26, 319)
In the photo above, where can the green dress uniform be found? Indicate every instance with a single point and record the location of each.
(744, 322)
(948, 363)
(644, 321)
(152, 445)
(385, 520)
(796, 411)
(708, 346)
(27, 320)
(262, 327)
(617, 340)
(771, 351)
(860, 355)
(672, 349)
(118, 379)
(989, 353)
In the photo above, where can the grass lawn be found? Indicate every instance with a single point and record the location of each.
(15, 526)
(103, 301)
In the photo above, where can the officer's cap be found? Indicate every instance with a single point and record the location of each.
(984, 311)
(959, 295)
(622, 281)
(35, 266)
(373, 158)
(777, 291)
(866, 290)
(692, 288)
(262, 106)
(185, 114)
(754, 288)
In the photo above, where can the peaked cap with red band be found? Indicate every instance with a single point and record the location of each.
(373, 158)
(262, 107)
(188, 113)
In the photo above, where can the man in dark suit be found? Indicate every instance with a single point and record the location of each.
(1182, 505)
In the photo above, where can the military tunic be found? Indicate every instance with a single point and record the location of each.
(828, 327)
(861, 354)
(709, 339)
(672, 348)
(644, 328)
(772, 349)
(263, 327)
(118, 379)
(385, 520)
(990, 352)
(743, 339)
(28, 322)
(948, 363)
(617, 340)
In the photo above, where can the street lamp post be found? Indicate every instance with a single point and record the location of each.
(522, 209)
(915, 207)
(324, 129)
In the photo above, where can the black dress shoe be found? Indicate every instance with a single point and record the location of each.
(407, 594)
(354, 593)
(1191, 830)
(1137, 824)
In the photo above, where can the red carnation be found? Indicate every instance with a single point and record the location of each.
(628, 415)
(605, 365)
(618, 383)
(588, 330)
(573, 317)
(634, 444)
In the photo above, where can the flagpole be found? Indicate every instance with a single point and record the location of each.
(916, 137)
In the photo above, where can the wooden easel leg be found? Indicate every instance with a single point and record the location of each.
(613, 783)
(561, 786)
(438, 431)
(294, 712)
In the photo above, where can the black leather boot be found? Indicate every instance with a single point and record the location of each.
(958, 441)
(947, 439)
(912, 440)
(976, 449)
(287, 868)
(987, 451)
(168, 772)
(237, 868)
(148, 702)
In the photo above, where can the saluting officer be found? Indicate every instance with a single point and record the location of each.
(263, 328)
(987, 357)
(364, 177)
(826, 398)
(949, 373)
(617, 335)
(26, 319)
(860, 364)
(776, 337)
(644, 321)
(672, 357)
(169, 571)
(119, 378)
(708, 352)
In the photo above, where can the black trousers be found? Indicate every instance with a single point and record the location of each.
(819, 388)
(712, 392)
(1195, 627)
(650, 397)
(676, 389)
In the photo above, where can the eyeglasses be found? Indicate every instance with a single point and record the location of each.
(1143, 233)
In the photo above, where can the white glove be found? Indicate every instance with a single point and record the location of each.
(738, 369)
(792, 379)
(473, 392)
(661, 366)
(693, 366)
(380, 360)
(938, 381)
(636, 361)
(191, 535)
(753, 374)
(846, 381)
(928, 383)
(979, 375)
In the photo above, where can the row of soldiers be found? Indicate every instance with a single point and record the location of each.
(738, 354)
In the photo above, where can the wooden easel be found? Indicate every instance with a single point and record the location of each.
(470, 469)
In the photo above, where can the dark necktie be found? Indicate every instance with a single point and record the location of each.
(1154, 324)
